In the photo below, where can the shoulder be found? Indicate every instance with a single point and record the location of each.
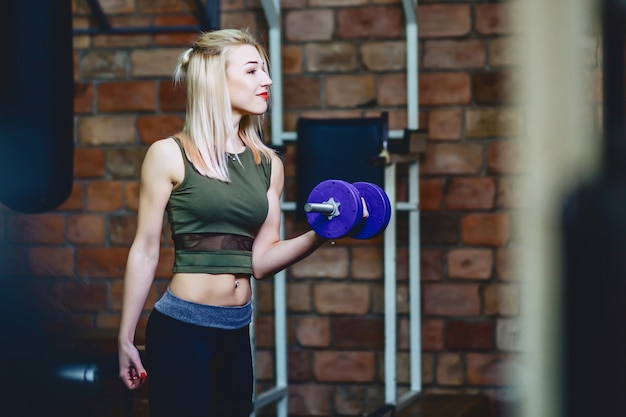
(164, 155)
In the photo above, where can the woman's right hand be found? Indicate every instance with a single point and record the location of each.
(132, 372)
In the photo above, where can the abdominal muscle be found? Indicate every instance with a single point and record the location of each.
(218, 290)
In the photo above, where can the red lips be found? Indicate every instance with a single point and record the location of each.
(263, 95)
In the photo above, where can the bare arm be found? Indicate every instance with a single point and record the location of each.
(143, 257)
(269, 253)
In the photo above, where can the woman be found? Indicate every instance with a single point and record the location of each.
(221, 187)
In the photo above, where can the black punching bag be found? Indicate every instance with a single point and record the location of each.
(36, 104)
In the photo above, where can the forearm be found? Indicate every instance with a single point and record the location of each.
(284, 253)
(137, 283)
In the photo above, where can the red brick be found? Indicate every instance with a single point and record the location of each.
(432, 334)
(384, 56)
(444, 88)
(453, 158)
(340, 298)
(470, 335)
(122, 229)
(501, 300)
(166, 262)
(337, 3)
(301, 92)
(124, 162)
(299, 365)
(491, 229)
(101, 262)
(331, 57)
(153, 62)
(470, 263)
(488, 122)
(75, 200)
(503, 157)
(172, 38)
(106, 130)
(428, 368)
(451, 299)
(125, 40)
(85, 228)
(159, 6)
(242, 19)
(299, 297)
(349, 90)
(264, 365)
(487, 369)
(367, 262)
(117, 6)
(131, 195)
(83, 98)
(508, 192)
(264, 331)
(358, 333)
(265, 296)
(470, 193)
(309, 400)
(51, 261)
(104, 195)
(172, 97)
(77, 296)
(451, 54)
(309, 25)
(391, 90)
(443, 20)
(313, 331)
(108, 321)
(344, 366)
(348, 400)
(370, 22)
(103, 64)
(445, 124)
(494, 18)
(293, 4)
(506, 263)
(127, 96)
(328, 262)
(88, 163)
(450, 369)
(40, 228)
(495, 87)
(431, 194)
(291, 59)
(439, 228)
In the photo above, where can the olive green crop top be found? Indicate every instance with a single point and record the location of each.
(207, 205)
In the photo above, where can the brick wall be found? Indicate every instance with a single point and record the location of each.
(340, 58)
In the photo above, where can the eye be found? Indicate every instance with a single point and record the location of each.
(252, 71)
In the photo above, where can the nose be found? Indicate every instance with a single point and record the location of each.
(267, 81)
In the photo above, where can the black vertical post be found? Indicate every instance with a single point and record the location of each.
(36, 104)
(594, 237)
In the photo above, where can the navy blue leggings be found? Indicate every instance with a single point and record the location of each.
(196, 371)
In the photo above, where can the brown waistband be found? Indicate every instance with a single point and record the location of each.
(212, 241)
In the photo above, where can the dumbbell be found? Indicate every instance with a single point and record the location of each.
(334, 209)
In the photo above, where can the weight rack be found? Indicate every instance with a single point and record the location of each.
(279, 393)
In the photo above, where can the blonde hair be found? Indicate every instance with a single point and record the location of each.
(208, 121)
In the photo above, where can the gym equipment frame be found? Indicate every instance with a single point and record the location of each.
(279, 393)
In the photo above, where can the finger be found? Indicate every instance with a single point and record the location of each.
(366, 213)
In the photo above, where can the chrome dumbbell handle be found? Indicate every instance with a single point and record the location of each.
(329, 208)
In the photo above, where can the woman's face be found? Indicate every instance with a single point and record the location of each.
(247, 81)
